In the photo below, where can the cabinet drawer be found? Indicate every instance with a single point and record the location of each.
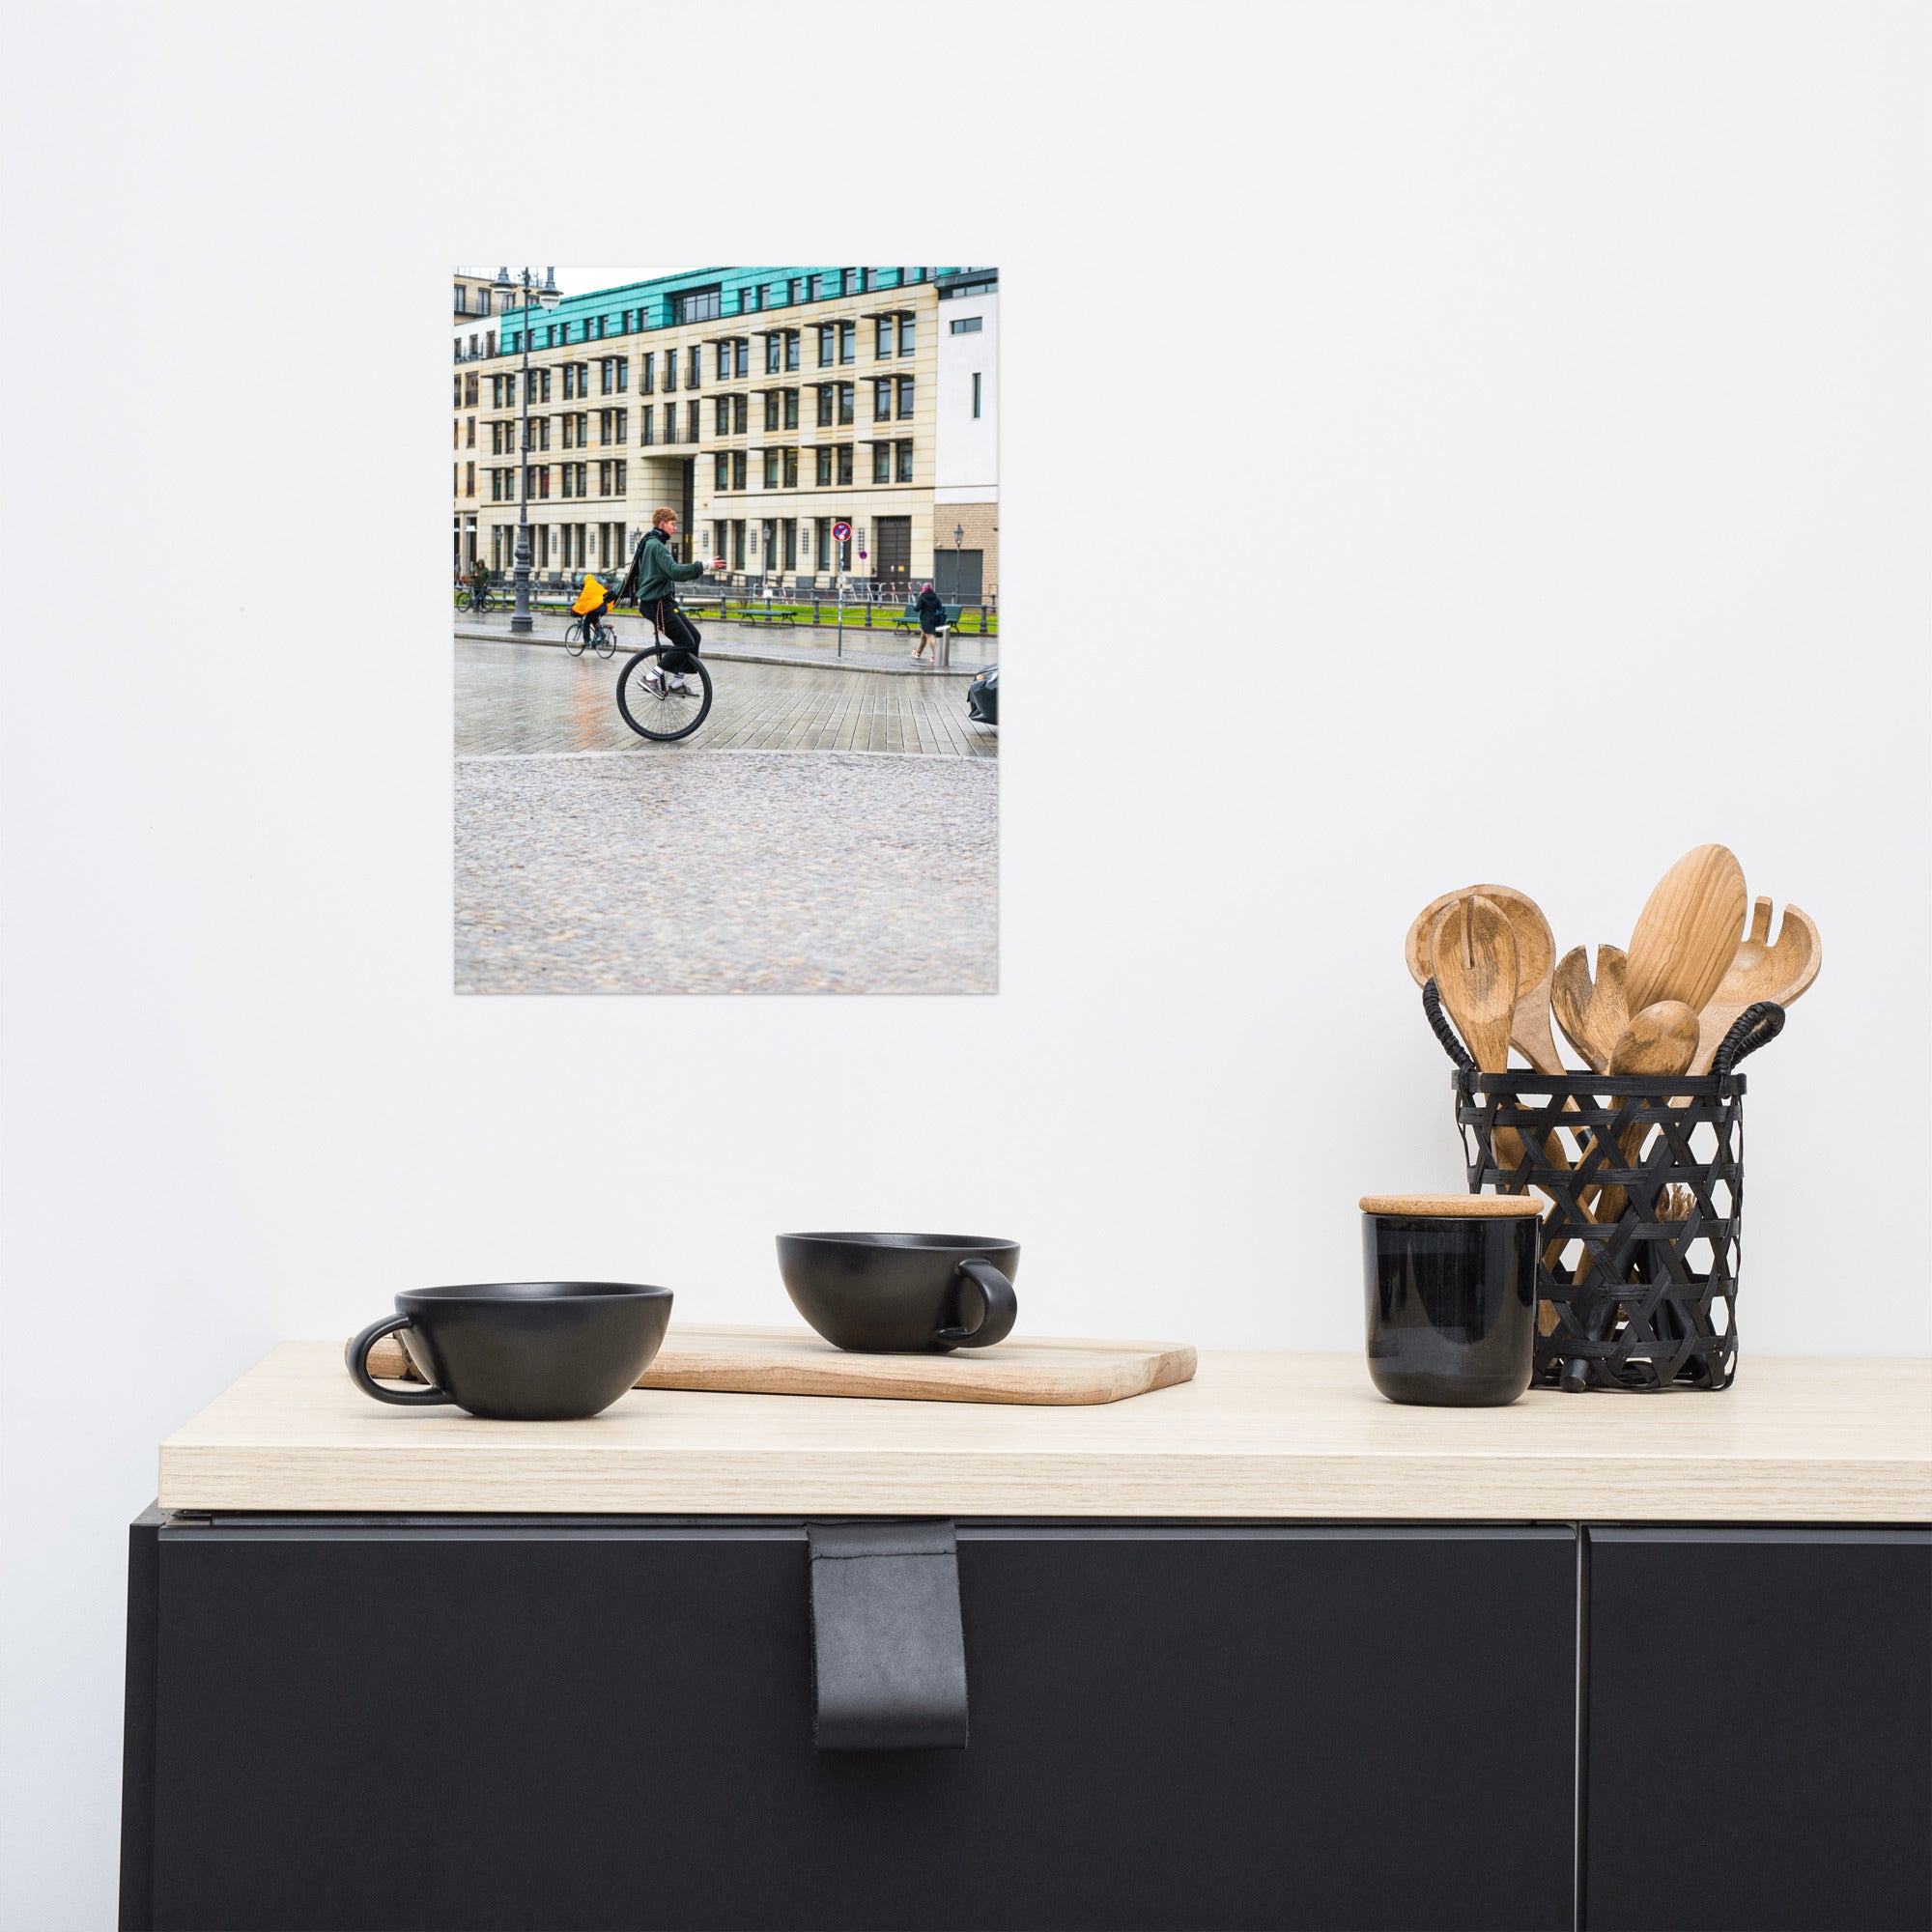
(1760, 1730)
(607, 1723)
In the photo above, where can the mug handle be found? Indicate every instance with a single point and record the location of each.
(1000, 1307)
(357, 1356)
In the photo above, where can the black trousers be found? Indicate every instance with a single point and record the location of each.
(680, 635)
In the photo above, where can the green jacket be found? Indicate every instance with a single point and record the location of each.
(659, 572)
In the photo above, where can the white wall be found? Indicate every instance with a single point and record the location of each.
(1583, 463)
(966, 453)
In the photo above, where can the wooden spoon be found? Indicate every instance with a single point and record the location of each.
(1593, 1017)
(1659, 1044)
(1687, 933)
(1536, 960)
(1759, 970)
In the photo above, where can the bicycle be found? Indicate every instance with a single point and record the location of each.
(475, 597)
(575, 637)
(652, 709)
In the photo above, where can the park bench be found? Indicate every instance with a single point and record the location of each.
(751, 614)
(948, 615)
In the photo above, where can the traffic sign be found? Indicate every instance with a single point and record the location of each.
(841, 530)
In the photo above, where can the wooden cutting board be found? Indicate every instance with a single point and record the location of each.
(794, 1361)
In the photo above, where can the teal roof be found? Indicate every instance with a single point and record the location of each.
(629, 306)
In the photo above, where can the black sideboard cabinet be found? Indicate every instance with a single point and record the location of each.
(595, 1721)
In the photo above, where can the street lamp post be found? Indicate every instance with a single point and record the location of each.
(534, 297)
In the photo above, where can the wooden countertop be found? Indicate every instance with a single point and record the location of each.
(1252, 1435)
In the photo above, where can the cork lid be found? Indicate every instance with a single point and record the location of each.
(1464, 1207)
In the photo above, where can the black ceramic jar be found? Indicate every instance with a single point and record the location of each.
(1450, 1283)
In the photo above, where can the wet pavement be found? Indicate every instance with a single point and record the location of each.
(726, 872)
(514, 698)
(822, 832)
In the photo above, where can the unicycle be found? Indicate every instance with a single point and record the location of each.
(650, 707)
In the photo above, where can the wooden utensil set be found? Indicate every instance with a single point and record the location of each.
(1695, 992)
(1661, 1008)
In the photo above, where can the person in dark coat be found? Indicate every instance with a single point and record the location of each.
(931, 620)
(653, 579)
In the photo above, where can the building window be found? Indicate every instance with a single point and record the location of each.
(791, 409)
(624, 477)
(825, 400)
(741, 413)
(750, 299)
(882, 463)
(741, 355)
(791, 349)
(738, 537)
(461, 299)
(694, 368)
(470, 479)
(849, 342)
(470, 440)
(844, 463)
(771, 410)
(470, 388)
(720, 415)
(670, 369)
(644, 416)
(720, 472)
(791, 468)
(774, 465)
(882, 337)
(882, 399)
(723, 361)
(691, 422)
(827, 338)
(623, 425)
(918, 274)
(905, 460)
(905, 397)
(647, 374)
(967, 325)
(976, 393)
(773, 352)
(821, 287)
(737, 469)
(847, 403)
(698, 304)
(824, 455)
(798, 287)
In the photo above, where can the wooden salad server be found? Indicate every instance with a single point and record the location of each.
(1760, 969)
(1593, 1017)
(1536, 960)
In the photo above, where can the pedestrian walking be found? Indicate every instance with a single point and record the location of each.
(931, 621)
(653, 580)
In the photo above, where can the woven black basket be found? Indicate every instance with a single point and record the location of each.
(1646, 1300)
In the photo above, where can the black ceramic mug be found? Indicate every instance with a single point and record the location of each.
(521, 1350)
(1450, 1281)
(902, 1295)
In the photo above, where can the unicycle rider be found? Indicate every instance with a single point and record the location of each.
(658, 574)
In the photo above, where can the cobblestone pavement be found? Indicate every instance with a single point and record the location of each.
(533, 697)
(726, 872)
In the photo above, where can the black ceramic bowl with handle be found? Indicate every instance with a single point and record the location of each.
(902, 1295)
(521, 1350)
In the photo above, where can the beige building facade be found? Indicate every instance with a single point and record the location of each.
(766, 407)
